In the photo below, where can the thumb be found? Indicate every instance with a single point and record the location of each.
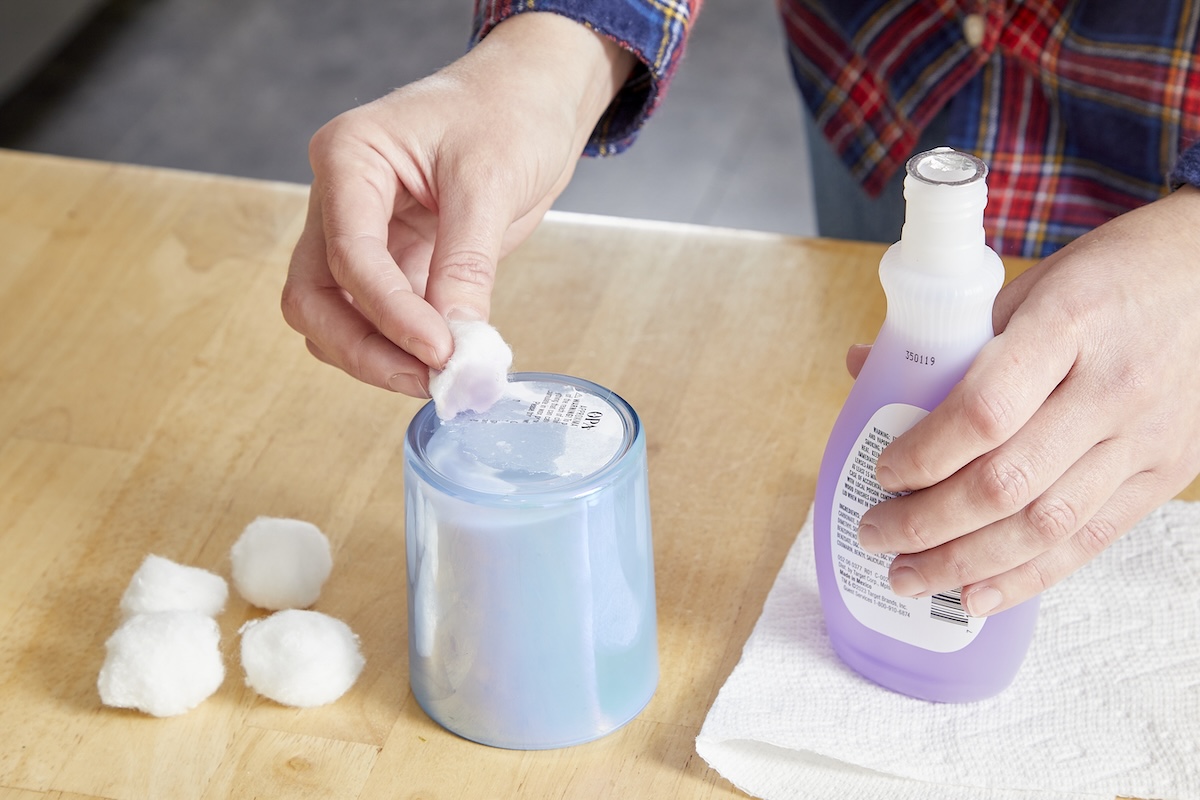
(462, 268)
(856, 356)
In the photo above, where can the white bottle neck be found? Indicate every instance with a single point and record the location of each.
(945, 192)
(941, 278)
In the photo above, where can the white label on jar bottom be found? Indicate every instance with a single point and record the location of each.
(938, 623)
(539, 434)
(593, 431)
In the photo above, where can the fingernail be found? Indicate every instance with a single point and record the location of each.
(980, 602)
(464, 314)
(409, 384)
(870, 538)
(887, 479)
(422, 350)
(907, 582)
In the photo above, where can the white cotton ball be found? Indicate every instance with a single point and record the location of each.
(162, 585)
(476, 374)
(300, 658)
(164, 663)
(281, 563)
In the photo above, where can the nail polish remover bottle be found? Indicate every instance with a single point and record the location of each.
(940, 280)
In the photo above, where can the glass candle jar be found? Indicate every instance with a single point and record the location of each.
(531, 604)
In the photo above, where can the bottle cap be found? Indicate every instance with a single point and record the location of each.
(944, 166)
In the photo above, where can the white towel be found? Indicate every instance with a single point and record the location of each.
(1106, 704)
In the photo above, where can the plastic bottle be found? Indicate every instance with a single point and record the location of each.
(940, 280)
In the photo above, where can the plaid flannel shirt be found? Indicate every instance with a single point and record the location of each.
(1081, 108)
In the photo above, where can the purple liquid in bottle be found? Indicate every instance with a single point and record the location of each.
(940, 280)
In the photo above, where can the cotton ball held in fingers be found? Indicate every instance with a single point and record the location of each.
(280, 563)
(300, 658)
(477, 373)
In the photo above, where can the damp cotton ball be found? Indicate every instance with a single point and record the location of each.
(281, 563)
(476, 374)
(300, 658)
(162, 585)
(163, 663)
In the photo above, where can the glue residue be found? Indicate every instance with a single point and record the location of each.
(540, 435)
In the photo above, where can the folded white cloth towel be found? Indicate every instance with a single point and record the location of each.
(1106, 704)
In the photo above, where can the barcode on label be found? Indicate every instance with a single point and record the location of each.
(948, 607)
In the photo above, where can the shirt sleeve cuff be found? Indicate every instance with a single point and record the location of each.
(1187, 169)
(655, 32)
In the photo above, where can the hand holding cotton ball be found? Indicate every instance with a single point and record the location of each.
(475, 377)
(163, 663)
(281, 563)
(162, 585)
(300, 658)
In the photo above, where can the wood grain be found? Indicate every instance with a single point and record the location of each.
(153, 401)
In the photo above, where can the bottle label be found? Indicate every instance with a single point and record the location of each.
(938, 623)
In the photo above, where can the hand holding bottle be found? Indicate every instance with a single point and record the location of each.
(419, 194)
(1081, 416)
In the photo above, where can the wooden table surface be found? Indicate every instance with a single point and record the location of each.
(152, 400)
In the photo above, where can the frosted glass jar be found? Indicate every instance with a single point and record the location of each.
(531, 605)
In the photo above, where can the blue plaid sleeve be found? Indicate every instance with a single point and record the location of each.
(655, 31)
(1187, 168)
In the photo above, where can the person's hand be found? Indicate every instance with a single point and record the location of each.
(418, 195)
(1080, 417)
